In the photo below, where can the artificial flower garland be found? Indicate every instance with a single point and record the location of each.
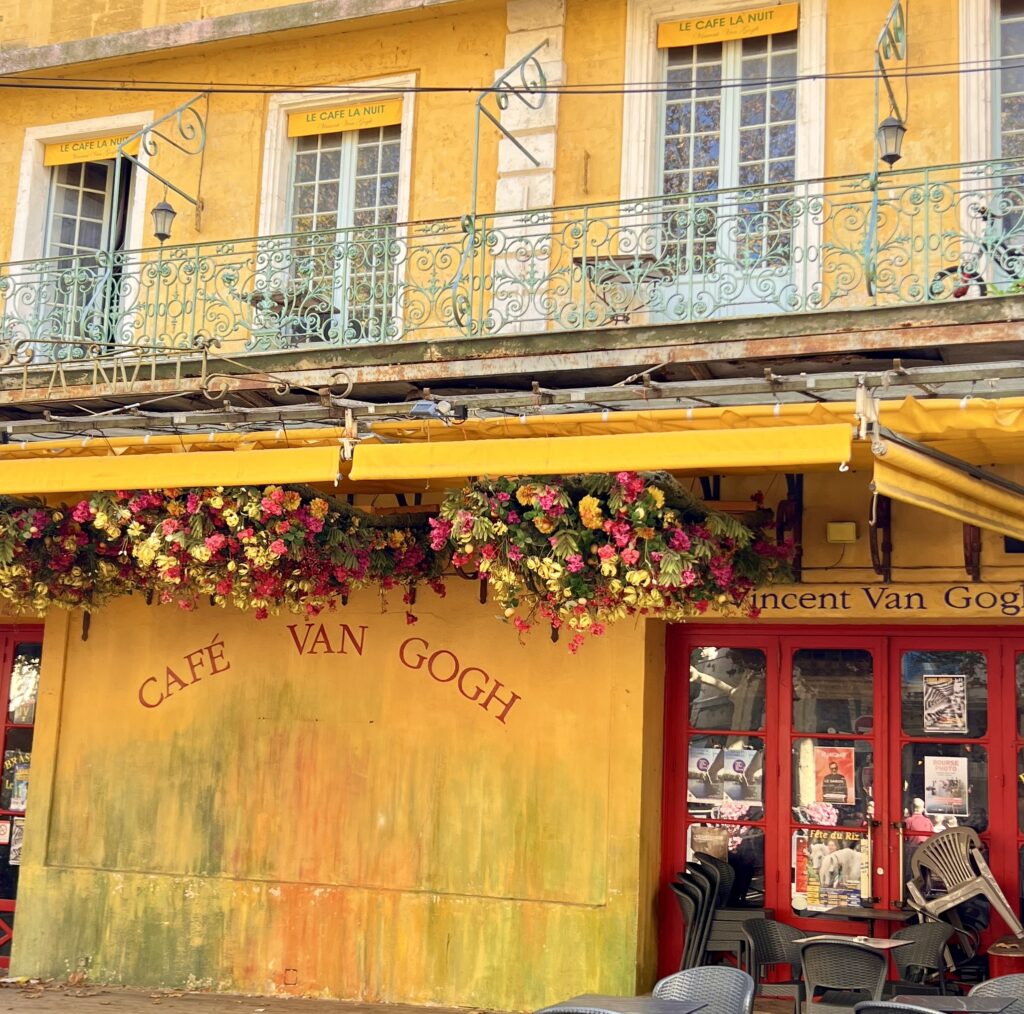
(577, 552)
(585, 551)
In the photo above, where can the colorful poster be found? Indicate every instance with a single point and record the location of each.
(944, 699)
(702, 774)
(741, 775)
(17, 838)
(830, 867)
(834, 775)
(945, 785)
(19, 787)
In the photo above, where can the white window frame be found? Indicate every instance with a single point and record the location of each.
(640, 174)
(275, 190)
(34, 181)
(977, 35)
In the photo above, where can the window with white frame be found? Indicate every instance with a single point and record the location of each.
(729, 151)
(343, 212)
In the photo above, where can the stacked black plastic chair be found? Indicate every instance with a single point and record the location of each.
(772, 944)
(922, 965)
(841, 966)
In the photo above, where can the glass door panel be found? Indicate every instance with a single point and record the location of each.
(725, 761)
(832, 774)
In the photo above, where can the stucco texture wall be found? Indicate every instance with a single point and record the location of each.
(319, 820)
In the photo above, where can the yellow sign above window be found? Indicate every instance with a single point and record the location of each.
(351, 116)
(728, 25)
(88, 149)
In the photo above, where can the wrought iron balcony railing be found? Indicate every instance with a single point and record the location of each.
(911, 237)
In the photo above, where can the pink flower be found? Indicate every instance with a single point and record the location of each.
(679, 540)
(574, 563)
(169, 526)
(440, 530)
(215, 542)
(278, 547)
(629, 557)
(606, 552)
(515, 553)
(410, 619)
(82, 511)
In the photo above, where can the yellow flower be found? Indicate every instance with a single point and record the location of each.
(232, 519)
(544, 525)
(525, 495)
(200, 553)
(216, 502)
(318, 508)
(657, 496)
(590, 512)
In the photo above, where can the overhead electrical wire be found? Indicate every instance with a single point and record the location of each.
(58, 83)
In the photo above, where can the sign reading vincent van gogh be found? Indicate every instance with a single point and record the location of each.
(350, 116)
(728, 25)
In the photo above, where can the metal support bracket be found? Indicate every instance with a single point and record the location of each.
(880, 538)
(972, 552)
(789, 520)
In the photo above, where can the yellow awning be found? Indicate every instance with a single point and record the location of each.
(702, 451)
(58, 474)
(918, 479)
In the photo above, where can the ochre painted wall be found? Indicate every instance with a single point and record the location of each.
(344, 824)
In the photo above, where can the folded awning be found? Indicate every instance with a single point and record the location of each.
(945, 486)
(707, 451)
(63, 474)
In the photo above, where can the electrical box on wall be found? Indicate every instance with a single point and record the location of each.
(841, 531)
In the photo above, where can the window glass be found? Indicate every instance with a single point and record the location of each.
(945, 693)
(833, 690)
(727, 688)
(946, 785)
(833, 782)
(344, 285)
(725, 777)
(744, 851)
(24, 684)
(1011, 79)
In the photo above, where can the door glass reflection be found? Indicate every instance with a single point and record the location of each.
(833, 691)
(944, 693)
(727, 688)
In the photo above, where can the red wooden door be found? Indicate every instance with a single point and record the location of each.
(820, 758)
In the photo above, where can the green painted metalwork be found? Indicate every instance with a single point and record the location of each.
(936, 233)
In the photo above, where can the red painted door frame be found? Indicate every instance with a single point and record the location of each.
(10, 637)
(1003, 738)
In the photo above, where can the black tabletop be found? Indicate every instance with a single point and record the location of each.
(968, 1004)
(872, 914)
(592, 1003)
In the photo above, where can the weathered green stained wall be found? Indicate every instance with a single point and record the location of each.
(343, 824)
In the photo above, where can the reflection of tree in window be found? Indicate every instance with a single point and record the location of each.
(727, 688)
(833, 690)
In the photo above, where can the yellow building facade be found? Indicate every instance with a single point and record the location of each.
(445, 811)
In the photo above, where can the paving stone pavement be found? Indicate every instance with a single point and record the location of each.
(49, 998)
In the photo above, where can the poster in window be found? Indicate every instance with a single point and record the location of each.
(17, 838)
(834, 775)
(5, 831)
(741, 775)
(13, 761)
(19, 786)
(945, 785)
(830, 867)
(944, 699)
(702, 774)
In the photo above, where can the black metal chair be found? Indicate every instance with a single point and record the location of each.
(723, 989)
